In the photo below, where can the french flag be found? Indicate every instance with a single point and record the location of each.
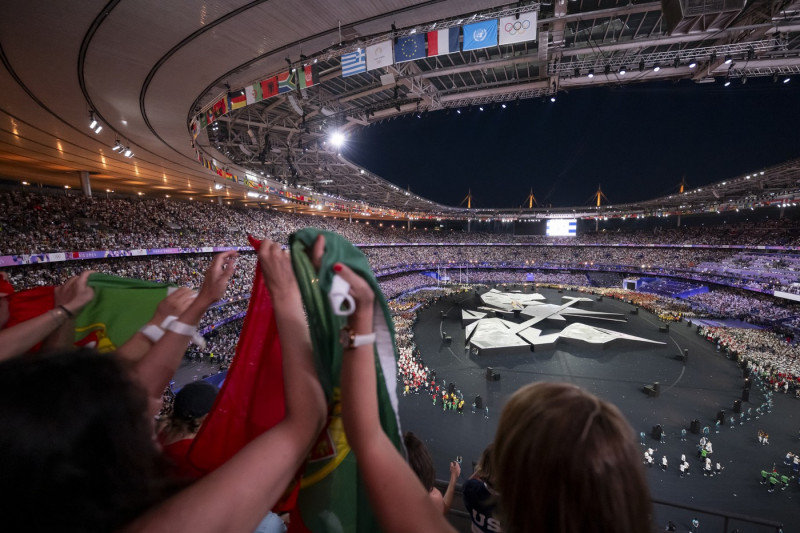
(442, 41)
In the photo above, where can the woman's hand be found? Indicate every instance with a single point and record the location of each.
(276, 267)
(75, 293)
(174, 304)
(217, 277)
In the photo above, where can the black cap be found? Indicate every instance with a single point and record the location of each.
(194, 400)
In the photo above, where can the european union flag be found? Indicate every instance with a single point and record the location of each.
(480, 35)
(409, 48)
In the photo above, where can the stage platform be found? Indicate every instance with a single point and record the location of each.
(699, 389)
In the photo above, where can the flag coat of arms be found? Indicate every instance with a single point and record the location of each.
(332, 497)
(253, 94)
(480, 35)
(354, 63)
(307, 76)
(518, 30)
(379, 55)
(442, 42)
(286, 81)
(409, 48)
(269, 87)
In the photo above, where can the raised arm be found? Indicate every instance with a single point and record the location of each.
(392, 486)
(455, 471)
(237, 495)
(55, 327)
(156, 368)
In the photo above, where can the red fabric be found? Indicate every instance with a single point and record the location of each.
(177, 453)
(251, 399)
(28, 304)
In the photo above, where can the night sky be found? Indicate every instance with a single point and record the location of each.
(635, 141)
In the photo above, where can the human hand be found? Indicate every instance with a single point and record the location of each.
(75, 293)
(360, 291)
(217, 276)
(174, 304)
(455, 469)
(276, 267)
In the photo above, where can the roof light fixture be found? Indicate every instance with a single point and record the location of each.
(623, 70)
(728, 59)
(591, 73)
(656, 67)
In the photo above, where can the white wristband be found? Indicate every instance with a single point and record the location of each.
(180, 328)
(152, 332)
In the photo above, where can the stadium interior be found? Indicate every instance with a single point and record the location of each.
(140, 138)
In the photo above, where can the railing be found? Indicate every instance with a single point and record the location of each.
(722, 521)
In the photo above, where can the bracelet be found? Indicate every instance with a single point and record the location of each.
(349, 339)
(152, 332)
(59, 316)
(69, 313)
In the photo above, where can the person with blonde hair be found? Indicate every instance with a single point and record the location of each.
(564, 460)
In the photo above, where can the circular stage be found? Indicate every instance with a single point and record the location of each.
(698, 389)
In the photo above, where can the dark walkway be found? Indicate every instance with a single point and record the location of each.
(708, 383)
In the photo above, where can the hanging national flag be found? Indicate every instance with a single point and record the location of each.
(379, 55)
(269, 87)
(203, 118)
(442, 42)
(480, 35)
(307, 76)
(194, 126)
(518, 30)
(331, 490)
(253, 94)
(409, 48)
(221, 107)
(354, 63)
(286, 81)
(238, 99)
(210, 116)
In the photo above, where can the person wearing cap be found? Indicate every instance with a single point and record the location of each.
(192, 403)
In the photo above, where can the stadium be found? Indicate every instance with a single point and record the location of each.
(139, 140)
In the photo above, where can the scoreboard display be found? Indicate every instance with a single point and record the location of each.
(562, 227)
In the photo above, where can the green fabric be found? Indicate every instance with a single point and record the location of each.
(119, 308)
(332, 498)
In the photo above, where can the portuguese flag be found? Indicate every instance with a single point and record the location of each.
(332, 497)
(120, 307)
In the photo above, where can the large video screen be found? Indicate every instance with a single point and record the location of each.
(562, 227)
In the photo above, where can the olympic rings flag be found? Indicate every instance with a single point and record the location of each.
(518, 30)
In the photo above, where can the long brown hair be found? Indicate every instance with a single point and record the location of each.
(420, 460)
(566, 462)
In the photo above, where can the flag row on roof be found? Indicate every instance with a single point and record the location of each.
(478, 35)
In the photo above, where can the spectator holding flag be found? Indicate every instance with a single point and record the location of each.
(79, 452)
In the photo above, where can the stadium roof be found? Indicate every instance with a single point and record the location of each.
(148, 71)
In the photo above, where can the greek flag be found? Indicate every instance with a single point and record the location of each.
(354, 63)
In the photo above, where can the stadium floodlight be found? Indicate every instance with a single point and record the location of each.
(337, 138)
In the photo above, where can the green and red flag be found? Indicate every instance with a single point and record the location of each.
(119, 308)
(307, 76)
(332, 497)
(253, 93)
